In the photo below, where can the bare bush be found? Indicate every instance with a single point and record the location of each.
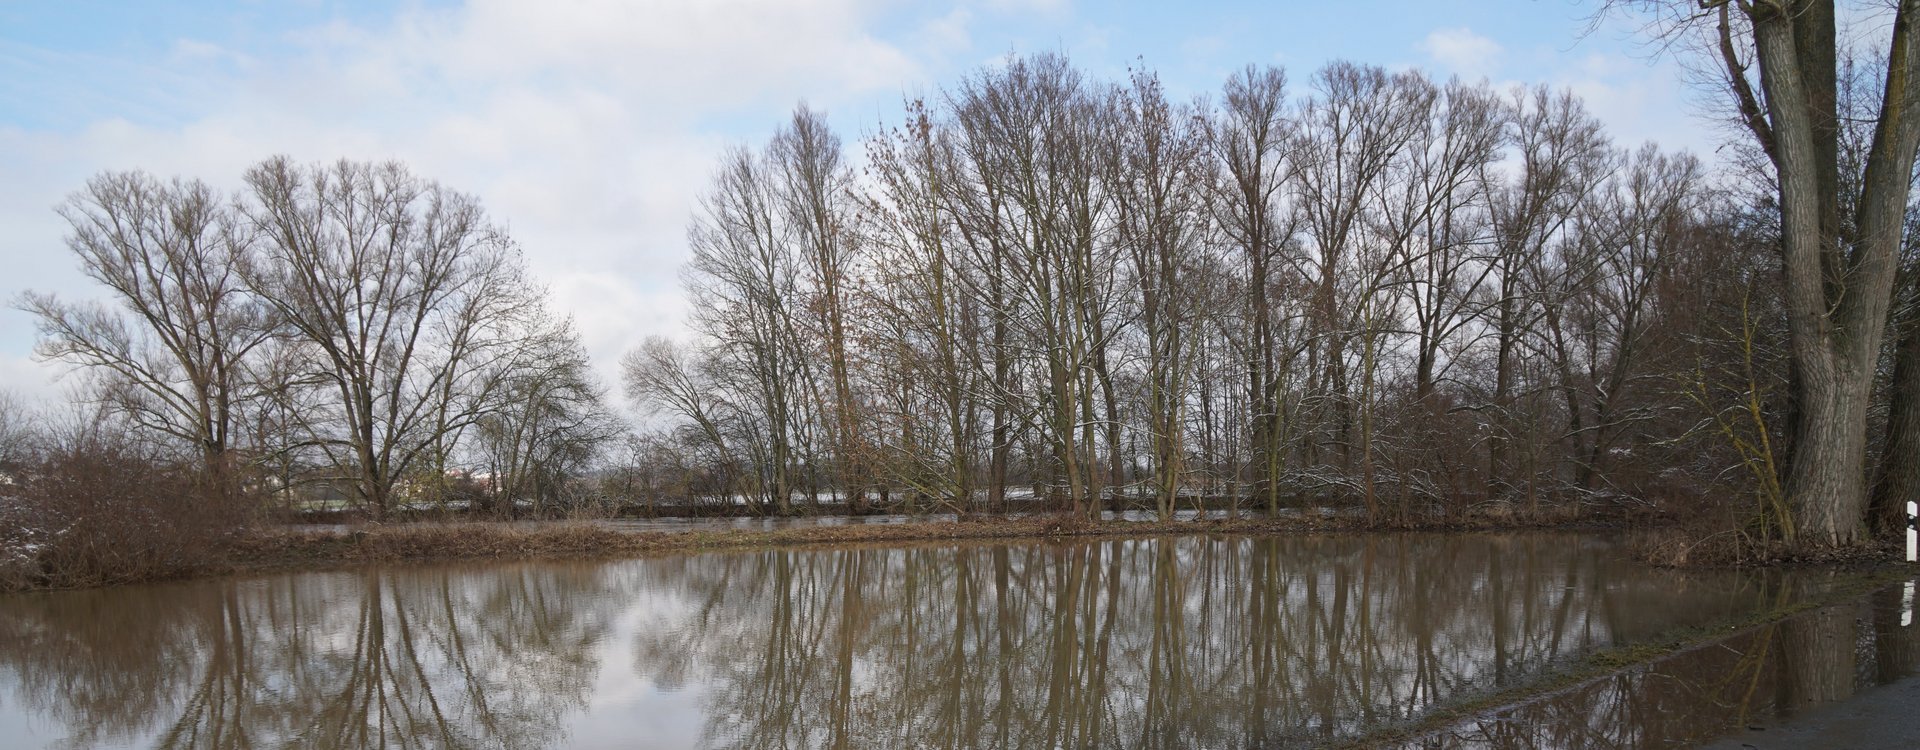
(93, 506)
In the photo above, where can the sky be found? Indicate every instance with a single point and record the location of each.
(590, 127)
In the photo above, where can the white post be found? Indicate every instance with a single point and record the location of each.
(1906, 606)
(1913, 535)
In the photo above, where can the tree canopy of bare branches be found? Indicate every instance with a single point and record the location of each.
(1410, 295)
(348, 326)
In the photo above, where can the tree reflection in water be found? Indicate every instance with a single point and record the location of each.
(1768, 672)
(423, 658)
(1148, 643)
(1145, 643)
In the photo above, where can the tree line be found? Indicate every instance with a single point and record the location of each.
(345, 331)
(1043, 289)
(1375, 288)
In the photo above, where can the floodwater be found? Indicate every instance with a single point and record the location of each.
(1192, 641)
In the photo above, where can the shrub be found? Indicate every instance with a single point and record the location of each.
(96, 509)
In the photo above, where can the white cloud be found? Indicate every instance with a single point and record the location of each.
(1641, 100)
(195, 52)
(1461, 52)
(948, 33)
(1206, 46)
(587, 126)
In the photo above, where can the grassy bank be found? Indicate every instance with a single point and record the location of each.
(278, 548)
(800, 509)
(273, 548)
(281, 549)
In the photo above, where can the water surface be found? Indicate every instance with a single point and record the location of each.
(1170, 642)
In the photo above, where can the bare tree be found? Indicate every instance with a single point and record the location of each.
(1431, 219)
(1779, 62)
(550, 422)
(171, 345)
(1158, 176)
(1394, 291)
(664, 375)
(922, 312)
(1352, 133)
(745, 280)
(1251, 139)
(1561, 156)
(1028, 135)
(406, 300)
(1897, 480)
(17, 435)
(815, 196)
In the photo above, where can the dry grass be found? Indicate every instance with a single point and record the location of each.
(274, 549)
(1720, 538)
(282, 549)
(1686, 546)
(277, 549)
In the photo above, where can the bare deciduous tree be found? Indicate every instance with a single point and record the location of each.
(406, 300)
(169, 348)
(1779, 61)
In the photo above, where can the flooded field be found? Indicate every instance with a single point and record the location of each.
(1141, 643)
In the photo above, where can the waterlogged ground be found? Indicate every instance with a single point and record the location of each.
(1171, 642)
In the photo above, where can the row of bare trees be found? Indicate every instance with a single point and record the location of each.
(348, 331)
(1411, 295)
(1377, 288)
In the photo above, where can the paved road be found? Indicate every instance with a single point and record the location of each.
(1881, 718)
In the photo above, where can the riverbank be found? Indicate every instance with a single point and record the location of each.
(278, 550)
(1019, 505)
(281, 549)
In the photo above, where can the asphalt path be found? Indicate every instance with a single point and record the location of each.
(1886, 717)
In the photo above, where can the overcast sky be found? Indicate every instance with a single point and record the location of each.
(588, 127)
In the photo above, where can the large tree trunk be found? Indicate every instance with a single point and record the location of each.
(1839, 280)
(1826, 476)
(1262, 390)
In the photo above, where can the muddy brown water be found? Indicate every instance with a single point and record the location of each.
(1224, 642)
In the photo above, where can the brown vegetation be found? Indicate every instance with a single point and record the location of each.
(96, 510)
(290, 549)
(1704, 543)
(1834, 138)
(279, 548)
